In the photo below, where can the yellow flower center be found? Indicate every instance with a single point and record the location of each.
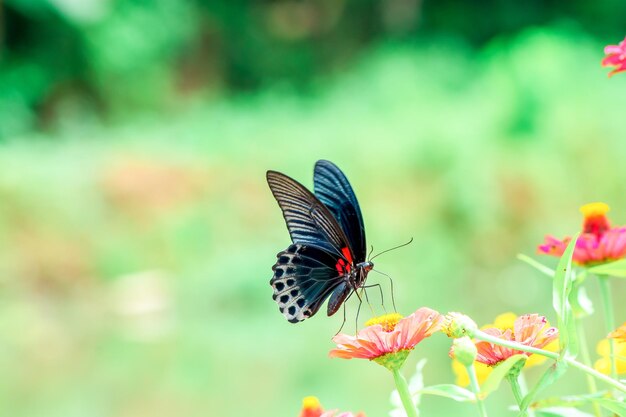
(387, 321)
(311, 403)
(594, 209)
(595, 221)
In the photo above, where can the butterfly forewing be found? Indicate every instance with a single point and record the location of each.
(308, 220)
(334, 191)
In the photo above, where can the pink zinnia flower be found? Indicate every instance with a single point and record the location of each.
(598, 242)
(529, 329)
(615, 57)
(311, 407)
(388, 339)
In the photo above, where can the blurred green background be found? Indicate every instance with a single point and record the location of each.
(137, 232)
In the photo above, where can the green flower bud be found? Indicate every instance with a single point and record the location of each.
(464, 350)
(458, 325)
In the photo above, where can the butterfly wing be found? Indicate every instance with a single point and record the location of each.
(333, 189)
(309, 221)
(314, 267)
(304, 277)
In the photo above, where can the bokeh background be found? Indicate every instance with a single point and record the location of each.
(137, 232)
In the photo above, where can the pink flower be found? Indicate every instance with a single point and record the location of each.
(530, 330)
(615, 57)
(388, 339)
(598, 242)
(311, 407)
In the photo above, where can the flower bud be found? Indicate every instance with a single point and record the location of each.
(458, 325)
(464, 350)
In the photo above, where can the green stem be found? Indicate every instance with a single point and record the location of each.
(405, 395)
(586, 359)
(517, 391)
(471, 371)
(607, 304)
(552, 355)
(524, 390)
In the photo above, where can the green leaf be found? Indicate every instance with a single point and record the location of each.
(561, 412)
(451, 391)
(561, 289)
(568, 400)
(617, 407)
(548, 378)
(582, 306)
(535, 264)
(500, 372)
(614, 269)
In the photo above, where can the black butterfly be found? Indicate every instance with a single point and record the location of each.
(327, 257)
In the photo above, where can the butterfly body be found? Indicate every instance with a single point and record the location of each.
(327, 257)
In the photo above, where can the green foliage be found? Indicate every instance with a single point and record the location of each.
(102, 60)
(613, 269)
(136, 255)
(562, 286)
(501, 372)
(451, 391)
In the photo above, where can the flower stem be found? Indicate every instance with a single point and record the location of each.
(517, 391)
(552, 355)
(524, 390)
(405, 395)
(471, 371)
(586, 359)
(607, 304)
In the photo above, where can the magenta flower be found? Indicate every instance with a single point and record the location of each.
(598, 242)
(615, 57)
(530, 330)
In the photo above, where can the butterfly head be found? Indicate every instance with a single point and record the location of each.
(365, 266)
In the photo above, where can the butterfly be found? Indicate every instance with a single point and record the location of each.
(327, 257)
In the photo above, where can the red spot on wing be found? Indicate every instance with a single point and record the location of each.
(342, 266)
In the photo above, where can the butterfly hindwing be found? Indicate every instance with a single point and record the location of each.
(304, 277)
(333, 189)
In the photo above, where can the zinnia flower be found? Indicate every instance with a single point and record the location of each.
(598, 242)
(615, 57)
(503, 322)
(619, 333)
(388, 339)
(529, 329)
(311, 407)
(604, 363)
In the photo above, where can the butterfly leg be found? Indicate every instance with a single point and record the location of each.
(367, 299)
(382, 298)
(393, 300)
(344, 314)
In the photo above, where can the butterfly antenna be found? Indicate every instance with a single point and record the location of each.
(394, 248)
(371, 250)
(393, 301)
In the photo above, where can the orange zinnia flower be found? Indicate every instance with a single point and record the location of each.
(388, 339)
(598, 242)
(529, 329)
(311, 407)
(619, 334)
(503, 322)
